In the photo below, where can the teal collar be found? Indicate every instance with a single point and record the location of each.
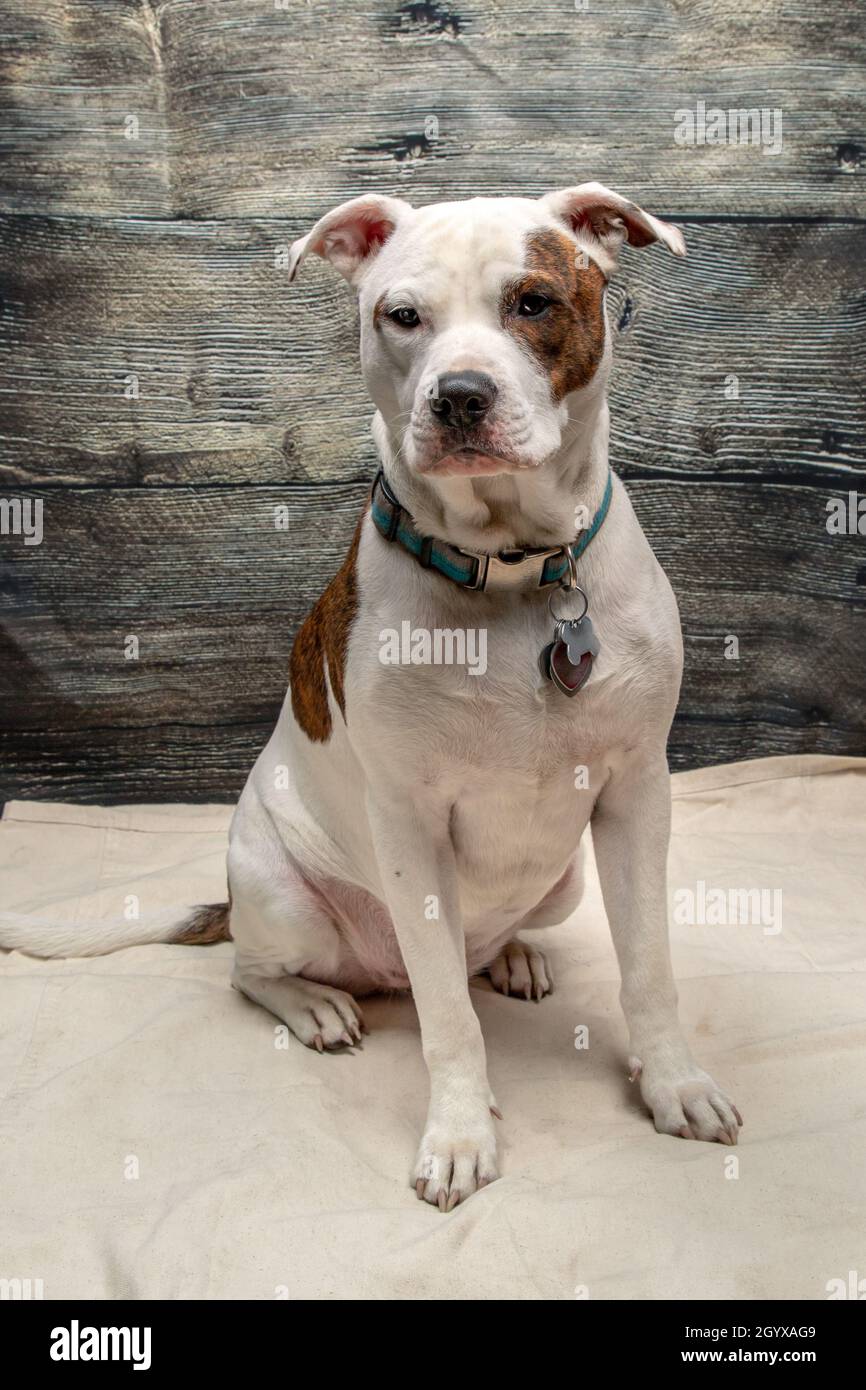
(530, 568)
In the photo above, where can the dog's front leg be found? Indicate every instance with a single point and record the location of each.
(457, 1153)
(630, 832)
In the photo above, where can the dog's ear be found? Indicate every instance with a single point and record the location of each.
(351, 235)
(606, 220)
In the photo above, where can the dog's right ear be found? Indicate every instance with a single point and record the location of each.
(351, 235)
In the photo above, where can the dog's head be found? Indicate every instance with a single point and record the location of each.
(482, 322)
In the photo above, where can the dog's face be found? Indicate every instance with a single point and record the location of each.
(476, 322)
(482, 322)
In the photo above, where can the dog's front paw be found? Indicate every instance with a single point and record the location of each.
(687, 1102)
(456, 1156)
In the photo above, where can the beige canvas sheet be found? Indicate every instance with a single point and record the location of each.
(158, 1141)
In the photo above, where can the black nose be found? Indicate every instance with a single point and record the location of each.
(462, 398)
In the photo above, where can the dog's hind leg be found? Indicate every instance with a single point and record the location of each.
(288, 950)
(318, 1015)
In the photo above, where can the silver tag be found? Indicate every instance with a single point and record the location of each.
(579, 638)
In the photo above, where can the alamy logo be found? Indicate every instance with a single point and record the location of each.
(20, 1290)
(854, 1287)
(22, 517)
(76, 1343)
(846, 516)
(712, 126)
(729, 907)
(441, 646)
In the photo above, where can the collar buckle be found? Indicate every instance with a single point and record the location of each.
(510, 570)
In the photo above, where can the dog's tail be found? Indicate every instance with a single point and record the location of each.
(40, 937)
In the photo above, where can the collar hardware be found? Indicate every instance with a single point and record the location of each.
(510, 571)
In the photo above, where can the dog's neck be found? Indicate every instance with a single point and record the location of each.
(507, 510)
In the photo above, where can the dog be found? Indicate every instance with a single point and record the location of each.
(412, 821)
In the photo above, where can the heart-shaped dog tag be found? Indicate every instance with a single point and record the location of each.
(568, 676)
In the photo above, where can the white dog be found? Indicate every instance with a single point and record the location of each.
(416, 814)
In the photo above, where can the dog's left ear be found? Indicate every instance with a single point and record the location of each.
(351, 235)
(606, 220)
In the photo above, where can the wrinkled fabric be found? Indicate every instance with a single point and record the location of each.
(160, 1137)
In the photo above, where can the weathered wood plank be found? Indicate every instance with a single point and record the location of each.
(255, 109)
(166, 763)
(243, 378)
(84, 107)
(214, 592)
(211, 763)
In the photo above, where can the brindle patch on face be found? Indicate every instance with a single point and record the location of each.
(380, 309)
(568, 338)
(319, 650)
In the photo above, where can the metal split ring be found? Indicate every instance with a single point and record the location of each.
(574, 589)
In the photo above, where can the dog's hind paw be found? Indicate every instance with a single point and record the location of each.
(522, 971)
(320, 1016)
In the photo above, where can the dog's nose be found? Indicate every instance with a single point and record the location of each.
(462, 398)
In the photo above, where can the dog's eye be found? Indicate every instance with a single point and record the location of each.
(405, 316)
(531, 305)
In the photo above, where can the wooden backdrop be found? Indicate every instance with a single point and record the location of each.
(164, 389)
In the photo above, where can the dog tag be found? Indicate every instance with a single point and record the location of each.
(579, 639)
(567, 660)
(567, 675)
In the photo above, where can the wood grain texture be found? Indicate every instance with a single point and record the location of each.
(214, 592)
(207, 763)
(73, 73)
(163, 389)
(243, 377)
(252, 108)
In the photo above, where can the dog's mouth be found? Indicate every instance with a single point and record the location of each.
(470, 462)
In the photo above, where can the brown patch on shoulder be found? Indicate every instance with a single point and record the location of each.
(319, 650)
(568, 338)
(206, 926)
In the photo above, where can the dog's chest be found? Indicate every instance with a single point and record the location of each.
(461, 705)
(465, 684)
(446, 695)
(516, 766)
